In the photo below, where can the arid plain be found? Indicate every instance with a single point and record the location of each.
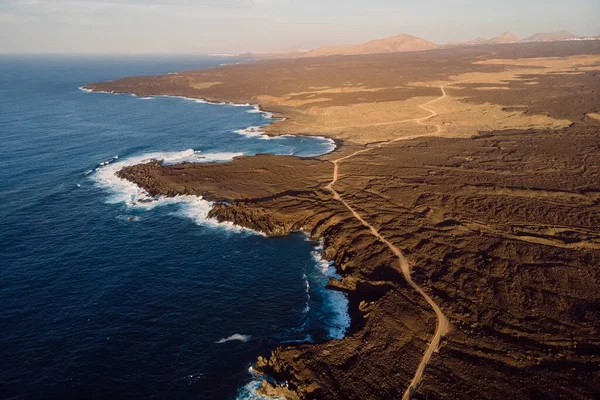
(461, 207)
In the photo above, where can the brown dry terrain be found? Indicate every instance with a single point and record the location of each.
(467, 187)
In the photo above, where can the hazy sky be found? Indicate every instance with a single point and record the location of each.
(208, 26)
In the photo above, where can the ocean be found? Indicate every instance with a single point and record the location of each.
(102, 297)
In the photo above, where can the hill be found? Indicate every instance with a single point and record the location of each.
(394, 44)
(478, 40)
(550, 36)
(506, 37)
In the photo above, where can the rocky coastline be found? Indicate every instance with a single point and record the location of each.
(498, 218)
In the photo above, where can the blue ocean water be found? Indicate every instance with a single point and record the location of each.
(101, 298)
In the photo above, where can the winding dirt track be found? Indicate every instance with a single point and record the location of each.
(443, 325)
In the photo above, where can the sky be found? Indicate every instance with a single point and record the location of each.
(236, 26)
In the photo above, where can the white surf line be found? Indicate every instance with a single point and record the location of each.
(443, 325)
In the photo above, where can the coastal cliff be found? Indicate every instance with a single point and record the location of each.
(492, 197)
(438, 226)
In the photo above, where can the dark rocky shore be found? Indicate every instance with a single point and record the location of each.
(501, 230)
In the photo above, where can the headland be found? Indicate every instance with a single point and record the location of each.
(462, 212)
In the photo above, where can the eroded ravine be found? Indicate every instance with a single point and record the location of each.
(443, 325)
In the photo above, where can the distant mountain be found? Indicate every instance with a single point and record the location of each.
(550, 36)
(394, 44)
(478, 40)
(506, 37)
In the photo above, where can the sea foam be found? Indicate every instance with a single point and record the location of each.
(234, 337)
(197, 209)
(133, 196)
(337, 302)
(250, 390)
(255, 132)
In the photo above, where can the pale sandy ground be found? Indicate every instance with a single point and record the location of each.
(381, 121)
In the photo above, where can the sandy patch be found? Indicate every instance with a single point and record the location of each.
(484, 88)
(360, 123)
(522, 66)
(459, 119)
(204, 85)
(594, 115)
(555, 63)
(343, 89)
(288, 101)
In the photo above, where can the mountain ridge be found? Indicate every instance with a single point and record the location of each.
(550, 36)
(394, 44)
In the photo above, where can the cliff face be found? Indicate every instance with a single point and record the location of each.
(503, 240)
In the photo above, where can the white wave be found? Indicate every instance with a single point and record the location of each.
(338, 326)
(250, 390)
(324, 265)
(256, 110)
(337, 301)
(205, 101)
(197, 209)
(330, 142)
(255, 132)
(250, 131)
(128, 193)
(235, 337)
(96, 91)
(307, 290)
(237, 104)
(177, 157)
(105, 163)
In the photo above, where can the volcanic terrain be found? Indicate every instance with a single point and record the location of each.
(461, 208)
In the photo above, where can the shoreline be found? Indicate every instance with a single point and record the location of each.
(317, 243)
(445, 200)
(271, 115)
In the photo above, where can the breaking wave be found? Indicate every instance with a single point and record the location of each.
(255, 132)
(234, 337)
(250, 390)
(126, 192)
(307, 290)
(336, 302)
